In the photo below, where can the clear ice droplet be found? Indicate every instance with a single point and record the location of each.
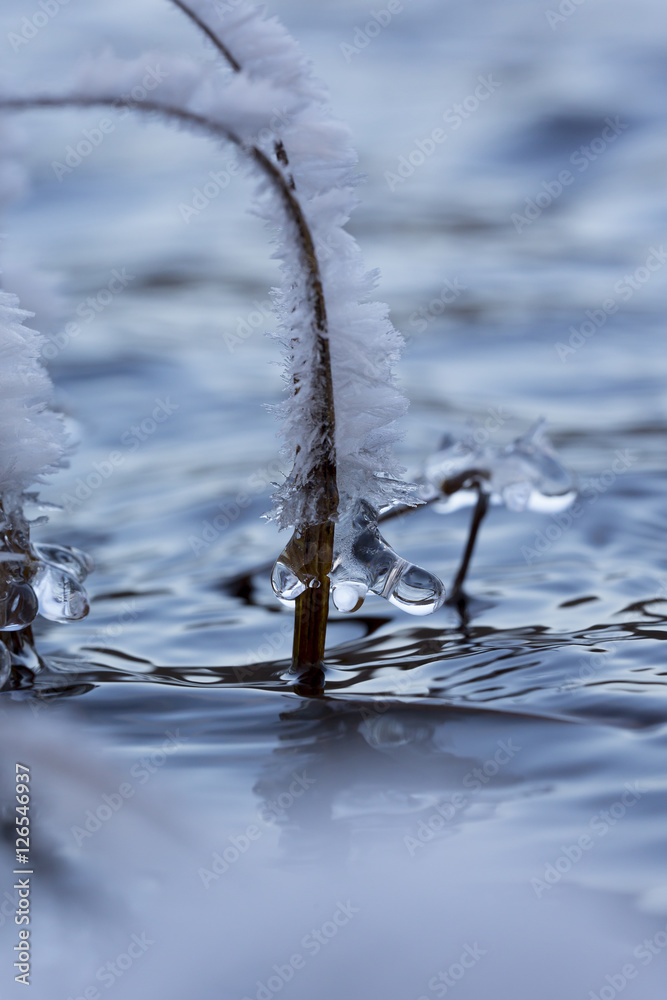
(286, 584)
(417, 591)
(72, 561)
(61, 596)
(290, 576)
(18, 606)
(348, 596)
(364, 561)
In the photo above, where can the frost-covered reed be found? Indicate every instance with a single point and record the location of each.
(339, 417)
(32, 435)
(44, 579)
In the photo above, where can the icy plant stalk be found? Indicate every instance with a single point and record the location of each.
(339, 418)
(44, 579)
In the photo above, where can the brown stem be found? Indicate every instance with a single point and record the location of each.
(478, 515)
(14, 537)
(312, 607)
(219, 44)
(315, 546)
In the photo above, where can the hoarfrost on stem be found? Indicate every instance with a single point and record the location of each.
(33, 579)
(273, 103)
(343, 402)
(32, 436)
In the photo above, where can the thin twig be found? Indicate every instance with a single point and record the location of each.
(479, 512)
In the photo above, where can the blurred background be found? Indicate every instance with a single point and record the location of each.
(515, 204)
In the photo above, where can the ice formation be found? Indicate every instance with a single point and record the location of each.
(32, 436)
(524, 475)
(342, 405)
(33, 579)
(274, 104)
(364, 562)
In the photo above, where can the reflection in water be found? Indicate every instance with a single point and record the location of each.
(533, 669)
(426, 823)
(371, 766)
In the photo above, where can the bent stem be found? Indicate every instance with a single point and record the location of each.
(315, 534)
(312, 543)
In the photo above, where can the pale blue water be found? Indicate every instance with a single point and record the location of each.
(535, 728)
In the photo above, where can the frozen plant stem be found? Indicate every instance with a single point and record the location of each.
(457, 596)
(315, 552)
(14, 539)
(343, 400)
(313, 542)
(313, 538)
(34, 578)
